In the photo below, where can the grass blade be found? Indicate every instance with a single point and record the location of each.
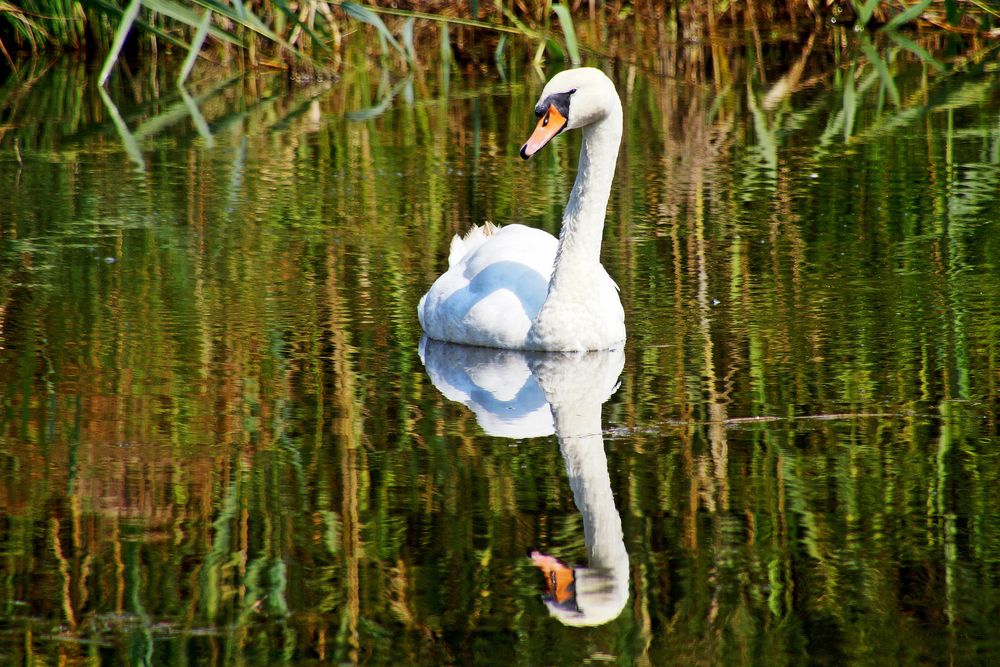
(304, 26)
(864, 10)
(850, 103)
(366, 15)
(553, 47)
(128, 140)
(501, 45)
(196, 117)
(411, 51)
(189, 17)
(128, 17)
(917, 50)
(907, 15)
(566, 21)
(882, 69)
(113, 12)
(446, 55)
(196, 44)
(519, 29)
(539, 54)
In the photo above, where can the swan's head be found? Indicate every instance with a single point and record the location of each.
(572, 98)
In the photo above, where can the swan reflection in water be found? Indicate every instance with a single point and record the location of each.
(519, 394)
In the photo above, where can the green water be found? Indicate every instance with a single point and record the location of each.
(219, 444)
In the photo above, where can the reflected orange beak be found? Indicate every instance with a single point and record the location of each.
(559, 579)
(549, 125)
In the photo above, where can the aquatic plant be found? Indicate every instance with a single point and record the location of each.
(283, 33)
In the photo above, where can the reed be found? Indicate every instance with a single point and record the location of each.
(283, 34)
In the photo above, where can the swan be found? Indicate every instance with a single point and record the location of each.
(519, 394)
(519, 288)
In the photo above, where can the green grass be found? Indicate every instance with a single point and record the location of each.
(314, 32)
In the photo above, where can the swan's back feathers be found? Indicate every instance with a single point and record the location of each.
(475, 237)
(492, 294)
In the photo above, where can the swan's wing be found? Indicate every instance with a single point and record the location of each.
(464, 245)
(491, 296)
(530, 247)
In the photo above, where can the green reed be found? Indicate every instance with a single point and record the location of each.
(312, 33)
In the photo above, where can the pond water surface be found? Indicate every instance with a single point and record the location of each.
(222, 441)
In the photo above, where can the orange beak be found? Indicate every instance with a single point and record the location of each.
(559, 579)
(549, 125)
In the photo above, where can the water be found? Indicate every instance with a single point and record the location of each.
(220, 443)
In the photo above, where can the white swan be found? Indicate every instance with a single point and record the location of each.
(519, 288)
(529, 394)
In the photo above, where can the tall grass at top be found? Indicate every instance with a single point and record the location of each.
(286, 33)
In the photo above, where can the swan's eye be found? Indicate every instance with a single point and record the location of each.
(545, 121)
(572, 91)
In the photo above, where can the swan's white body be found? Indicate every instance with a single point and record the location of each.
(521, 288)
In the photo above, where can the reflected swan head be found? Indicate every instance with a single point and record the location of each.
(582, 596)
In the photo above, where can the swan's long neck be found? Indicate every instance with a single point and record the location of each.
(579, 251)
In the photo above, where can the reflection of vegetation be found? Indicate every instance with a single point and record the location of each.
(216, 438)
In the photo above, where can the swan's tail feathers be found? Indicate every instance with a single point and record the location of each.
(477, 236)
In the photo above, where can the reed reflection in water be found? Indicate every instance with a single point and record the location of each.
(218, 443)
